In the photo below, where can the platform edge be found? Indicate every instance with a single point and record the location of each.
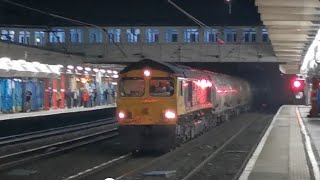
(250, 165)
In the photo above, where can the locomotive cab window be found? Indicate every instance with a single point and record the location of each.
(132, 87)
(161, 87)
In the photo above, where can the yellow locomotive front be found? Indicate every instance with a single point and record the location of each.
(147, 108)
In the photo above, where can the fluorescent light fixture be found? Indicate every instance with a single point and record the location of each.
(21, 61)
(35, 63)
(70, 67)
(96, 70)
(5, 59)
(79, 68)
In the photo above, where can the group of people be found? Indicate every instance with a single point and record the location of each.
(87, 97)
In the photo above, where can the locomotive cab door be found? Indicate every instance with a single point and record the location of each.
(188, 95)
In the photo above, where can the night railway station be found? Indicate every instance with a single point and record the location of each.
(162, 89)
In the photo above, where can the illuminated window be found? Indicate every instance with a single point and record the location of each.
(24, 37)
(249, 35)
(114, 35)
(172, 35)
(211, 35)
(7, 35)
(152, 35)
(265, 35)
(57, 36)
(230, 35)
(39, 38)
(191, 35)
(76, 35)
(95, 36)
(133, 35)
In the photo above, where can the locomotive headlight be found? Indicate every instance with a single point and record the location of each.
(170, 114)
(147, 72)
(121, 115)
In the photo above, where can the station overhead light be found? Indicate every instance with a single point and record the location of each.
(5, 59)
(109, 71)
(70, 67)
(86, 72)
(115, 72)
(21, 61)
(79, 68)
(87, 69)
(35, 63)
(60, 65)
(96, 70)
(115, 76)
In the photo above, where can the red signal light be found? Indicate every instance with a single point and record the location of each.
(296, 84)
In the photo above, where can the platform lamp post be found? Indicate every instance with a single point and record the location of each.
(230, 5)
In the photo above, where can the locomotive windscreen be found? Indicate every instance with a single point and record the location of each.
(132, 87)
(161, 87)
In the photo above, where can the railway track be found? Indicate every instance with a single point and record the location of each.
(105, 129)
(193, 158)
(19, 138)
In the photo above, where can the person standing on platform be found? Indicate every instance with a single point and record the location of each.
(28, 100)
(59, 99)
(91, 95)
(109, 88)
(80, 96)
(75, 98)
(105, 93)
(95, 94)
(69, 97)
(85, 98)
(113, 95)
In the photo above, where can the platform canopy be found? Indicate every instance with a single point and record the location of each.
(23, 69)
(292, 26)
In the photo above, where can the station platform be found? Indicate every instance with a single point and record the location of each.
(15, 116)
(18, 123)
(289, 149)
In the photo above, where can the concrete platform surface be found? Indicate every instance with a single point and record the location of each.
(285, 151)
(51, 112)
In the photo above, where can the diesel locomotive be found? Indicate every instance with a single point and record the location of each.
(161, 105)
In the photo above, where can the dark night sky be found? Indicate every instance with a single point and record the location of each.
(132, 12)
